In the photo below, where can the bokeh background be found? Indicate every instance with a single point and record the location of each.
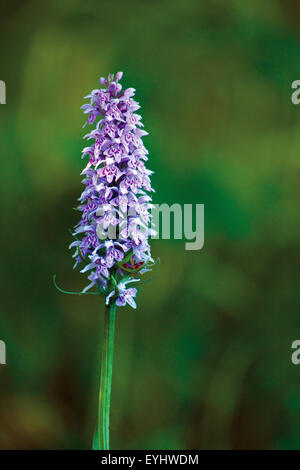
(205, 360)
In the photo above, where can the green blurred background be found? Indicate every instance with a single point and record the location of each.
(205, 360)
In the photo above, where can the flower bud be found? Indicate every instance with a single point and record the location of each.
(103, 81)
(118, 76)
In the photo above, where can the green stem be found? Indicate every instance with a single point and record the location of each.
(106, 376)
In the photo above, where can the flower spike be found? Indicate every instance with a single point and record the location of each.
(111, 239)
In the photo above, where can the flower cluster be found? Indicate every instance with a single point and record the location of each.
(112, 235)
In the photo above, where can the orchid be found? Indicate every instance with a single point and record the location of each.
(111, 239)
(114, 200)
(125, 295)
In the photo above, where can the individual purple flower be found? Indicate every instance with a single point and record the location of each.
(112, 235)
(125, 295)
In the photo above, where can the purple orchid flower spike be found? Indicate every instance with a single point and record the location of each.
(114, 203)
(112, 237)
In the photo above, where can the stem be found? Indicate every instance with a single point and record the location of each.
(106, 375)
